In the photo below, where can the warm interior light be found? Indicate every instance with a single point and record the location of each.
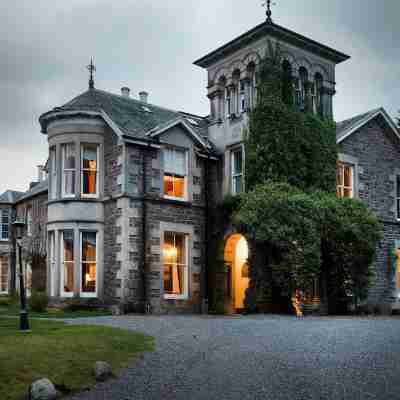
(170, 251)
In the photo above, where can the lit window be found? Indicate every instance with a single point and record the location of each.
(89, 168)
(175, 172)
(398, 197)
(29, 221)
(67, 280)
(89, 263)
(3, 275)
(345, 180)
(237, 170)
(53, 173)
(175, 265)
(4, 224)
(69, 170)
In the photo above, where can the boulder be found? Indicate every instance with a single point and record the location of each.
(42, 389)
(102, 371)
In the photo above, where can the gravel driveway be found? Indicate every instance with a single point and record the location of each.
(259, 357)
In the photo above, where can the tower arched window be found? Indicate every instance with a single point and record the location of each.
(236, 92)
(303, 87)
(287, 83)
(252, 86)
(319, 83)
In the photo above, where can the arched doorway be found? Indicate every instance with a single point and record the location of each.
(236, 255)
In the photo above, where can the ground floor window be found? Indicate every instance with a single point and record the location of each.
(68, 261)
(88, 263)
(175, 258)
(345, 180)
(3, 275)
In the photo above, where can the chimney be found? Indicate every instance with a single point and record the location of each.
(40, 173)
(144, 96)
(125, 91)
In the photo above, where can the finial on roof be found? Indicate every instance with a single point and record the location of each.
(267, 3)
(91, 67)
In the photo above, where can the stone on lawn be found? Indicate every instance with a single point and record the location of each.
(42, 389)
(102, 371)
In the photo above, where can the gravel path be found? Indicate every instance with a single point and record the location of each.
(259, 357)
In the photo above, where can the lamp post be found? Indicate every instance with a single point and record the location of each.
(23, 314)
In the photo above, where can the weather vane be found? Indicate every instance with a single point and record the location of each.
(91, 67)
(267, 3)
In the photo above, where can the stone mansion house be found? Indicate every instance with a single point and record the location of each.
(124, 198)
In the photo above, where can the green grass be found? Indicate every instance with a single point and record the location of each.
(63, 353)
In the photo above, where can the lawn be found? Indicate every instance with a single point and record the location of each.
(63, 353)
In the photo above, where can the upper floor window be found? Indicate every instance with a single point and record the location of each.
(228, 102)
(89, 170)
(345, 180)
(69, 169)
(243, 105)
(175, 173)
(4, 224)
(319, 83)
(53, 173)
(237, 171)
(303, 86)
(175, 259)
(29, 221)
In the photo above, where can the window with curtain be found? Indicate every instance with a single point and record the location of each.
(53, 173)
(345, 180)
(68, 263)
(89, 169)
(237, 170)
(4, 224)
(175, 173)
(3, 275)
(89, 263)
(69, 170)
(175, 260)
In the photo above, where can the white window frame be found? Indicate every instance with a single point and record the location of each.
(236, 175)
(53, 172)
(29, 221)
(186, 177)
(63, 149)
(185, 295)
(2, 213)
(52, 261)
(95, 195)
(341, 188)
(66, 294)
(81, 262)
(2, 264)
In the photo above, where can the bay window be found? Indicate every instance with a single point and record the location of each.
(345, 180)
(175, 259)
(68, 264)
(237, 171)
(88, 264)
(69, 170)
(89, 170)
(175, 173)
(4, 224)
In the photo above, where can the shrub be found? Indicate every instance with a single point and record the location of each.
(38, 301)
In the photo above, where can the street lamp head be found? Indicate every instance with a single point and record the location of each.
(19, 228)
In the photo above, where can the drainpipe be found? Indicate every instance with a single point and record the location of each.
(207, 235)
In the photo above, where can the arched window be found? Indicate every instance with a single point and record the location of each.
(287, 83)
(222, 98)
(319, 82)
(303, 87)
(236, 92)
(252, 87)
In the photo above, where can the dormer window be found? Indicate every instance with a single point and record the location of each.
(69, 169)
(175, 173)
(89, 170)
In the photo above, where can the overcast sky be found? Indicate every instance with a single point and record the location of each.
(150, 45)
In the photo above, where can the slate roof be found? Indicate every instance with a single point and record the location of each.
(10, 196)
(41, 187)
(277, 31)
(344, 128)
(133, 117)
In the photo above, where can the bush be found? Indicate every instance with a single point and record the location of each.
(38, 302)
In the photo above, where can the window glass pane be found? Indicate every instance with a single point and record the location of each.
(237, 162)
(89, 277)
(175, 162)
(238, 184)
(69, 156)
(89, 182)
(68, 238)
(175, 263)
(89, 246)
(174, 186)
(69, 182)
(5, 217)
(168, 185)
(89, 157)
(3, 274)
(174, 279)
(348, 176)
